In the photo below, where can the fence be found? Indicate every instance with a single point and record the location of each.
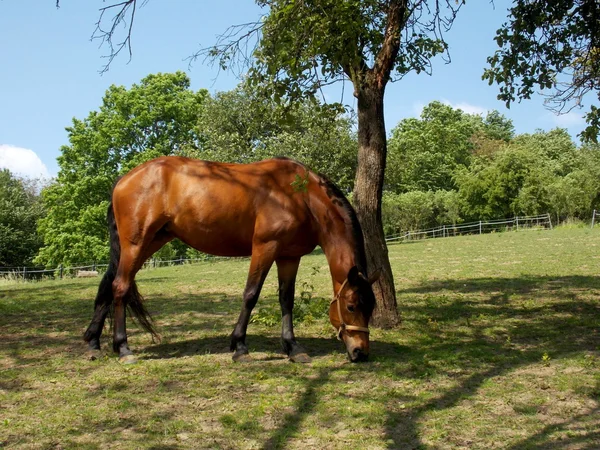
(516, 223)
(37, 273)
(594, 214)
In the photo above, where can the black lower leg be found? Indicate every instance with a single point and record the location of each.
(94, 331)
(238, 337)
(287, 281)
(120, 332)
(104, 299)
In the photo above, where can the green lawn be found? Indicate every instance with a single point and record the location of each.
(499, 348)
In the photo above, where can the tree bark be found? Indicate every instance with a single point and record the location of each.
(368, 190)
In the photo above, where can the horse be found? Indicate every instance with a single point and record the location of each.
(274, 211)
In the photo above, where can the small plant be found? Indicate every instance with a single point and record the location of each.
(307, 308)
(300, 184)
(267, 315)
(546, 358)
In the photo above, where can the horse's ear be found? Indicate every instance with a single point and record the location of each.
(374, 276)
(354, 276)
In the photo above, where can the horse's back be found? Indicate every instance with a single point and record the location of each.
(217, 208)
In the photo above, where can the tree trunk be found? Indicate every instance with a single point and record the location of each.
(368, 189)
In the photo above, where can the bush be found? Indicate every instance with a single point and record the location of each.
(419, 210)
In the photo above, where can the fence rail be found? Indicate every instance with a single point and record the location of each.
(516, 223)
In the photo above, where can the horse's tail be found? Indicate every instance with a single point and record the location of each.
(104, 298)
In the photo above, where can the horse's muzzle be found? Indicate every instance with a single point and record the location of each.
(357, 355)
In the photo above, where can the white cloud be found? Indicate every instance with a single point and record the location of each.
(22, 161)
(569, 119)
(466, 107)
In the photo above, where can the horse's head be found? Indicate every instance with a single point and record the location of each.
(350, 311)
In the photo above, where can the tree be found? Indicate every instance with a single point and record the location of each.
(550, 45)
(424, 153)
(543, 172)
(241, 126)
(157, 117)
(304, 45)
(20, 208)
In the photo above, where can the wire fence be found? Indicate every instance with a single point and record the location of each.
(92, 269)
(519, 223)
(488, 226)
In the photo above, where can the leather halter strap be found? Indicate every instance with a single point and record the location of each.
(343, 325)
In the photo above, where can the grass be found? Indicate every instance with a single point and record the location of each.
(499, 348)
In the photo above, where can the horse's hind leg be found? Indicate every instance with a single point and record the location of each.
(104, 298)
(286, 272)
(124, 291)
(261, 262)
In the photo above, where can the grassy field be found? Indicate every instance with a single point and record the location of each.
(499, 348)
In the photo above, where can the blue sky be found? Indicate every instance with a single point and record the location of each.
(50, 69)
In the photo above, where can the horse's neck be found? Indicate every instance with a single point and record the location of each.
(339, 246)
(341, 258)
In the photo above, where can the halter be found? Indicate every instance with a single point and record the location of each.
(344, 326)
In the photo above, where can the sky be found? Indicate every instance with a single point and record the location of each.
(49, 69)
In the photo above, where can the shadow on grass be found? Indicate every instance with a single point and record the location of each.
(531, 314)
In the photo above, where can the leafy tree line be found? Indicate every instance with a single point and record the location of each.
(20, 209)
(449, 167)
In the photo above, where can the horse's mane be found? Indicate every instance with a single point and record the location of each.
(353, 225)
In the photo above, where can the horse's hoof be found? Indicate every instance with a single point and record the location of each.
(128, 359)
(93, 354)
(241, 357)
(301, 357)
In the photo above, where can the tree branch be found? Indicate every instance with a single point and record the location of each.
(125, 15)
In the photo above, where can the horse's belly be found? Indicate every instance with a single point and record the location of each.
(220, 239)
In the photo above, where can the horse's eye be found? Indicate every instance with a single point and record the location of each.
(350, 308)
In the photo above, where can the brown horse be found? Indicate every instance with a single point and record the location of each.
(274, 211)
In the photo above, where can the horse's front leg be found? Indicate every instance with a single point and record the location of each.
(262, 260)
(286, 271)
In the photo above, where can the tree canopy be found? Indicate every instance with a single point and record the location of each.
(154, 118)
(242, 126)
(424, 153)
(550, 45)
(20, 209)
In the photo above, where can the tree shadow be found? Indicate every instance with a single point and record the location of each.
(557, 314)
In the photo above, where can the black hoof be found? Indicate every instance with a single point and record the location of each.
(128, 359)
(241, 357)
(299, 355)
(93, 354)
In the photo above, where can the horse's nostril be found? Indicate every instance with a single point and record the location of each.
(358, 355)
